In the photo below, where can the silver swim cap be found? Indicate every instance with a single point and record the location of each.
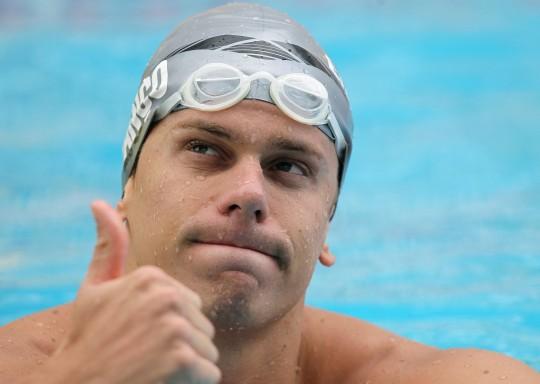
(249, 37)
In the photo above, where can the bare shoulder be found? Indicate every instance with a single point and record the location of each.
(26, 342)
(470, 366)
(349, 350)
(360, 352)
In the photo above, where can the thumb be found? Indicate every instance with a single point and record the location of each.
(111, 247)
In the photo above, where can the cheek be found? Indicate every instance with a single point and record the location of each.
(160, 201)
(308, 239)
(306, 221)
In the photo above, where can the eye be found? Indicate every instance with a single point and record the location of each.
(201, 148)
(290, 167)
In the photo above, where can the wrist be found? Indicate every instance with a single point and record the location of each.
(51, 372)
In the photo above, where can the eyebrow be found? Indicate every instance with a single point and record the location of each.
(279, 143)
(207, 126)
(295, 146)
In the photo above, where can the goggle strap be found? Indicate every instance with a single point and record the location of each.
(340, 142)
(167, 105)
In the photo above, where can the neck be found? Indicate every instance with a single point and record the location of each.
(268, 355)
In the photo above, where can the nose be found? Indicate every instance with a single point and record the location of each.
(244, 197)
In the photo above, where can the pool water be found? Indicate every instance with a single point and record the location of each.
(437, 235)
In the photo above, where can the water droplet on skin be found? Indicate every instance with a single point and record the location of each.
(503, 377)
(201, 178)
(188, 182)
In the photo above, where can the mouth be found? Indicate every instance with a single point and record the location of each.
(247, 246)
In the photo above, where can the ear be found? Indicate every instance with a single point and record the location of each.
(326, 257)
(121, 206)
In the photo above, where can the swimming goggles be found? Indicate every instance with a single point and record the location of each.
(217, 86)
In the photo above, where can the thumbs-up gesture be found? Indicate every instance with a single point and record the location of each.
(138, 328)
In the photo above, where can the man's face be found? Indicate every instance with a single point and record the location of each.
(235, 205)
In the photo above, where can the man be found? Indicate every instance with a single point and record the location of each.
(236, 149)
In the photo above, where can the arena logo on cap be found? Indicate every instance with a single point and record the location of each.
(153, 87)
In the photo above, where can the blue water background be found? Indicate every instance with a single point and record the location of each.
(438, 231)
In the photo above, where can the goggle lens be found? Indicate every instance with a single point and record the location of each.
(217, 87)
(303, 99)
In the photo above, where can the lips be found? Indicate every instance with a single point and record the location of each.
(264, 244)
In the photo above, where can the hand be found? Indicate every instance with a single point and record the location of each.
(141, 328)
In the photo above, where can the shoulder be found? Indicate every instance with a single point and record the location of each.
(29, 340)
(471, 366)
(360, 352)
(345, 349)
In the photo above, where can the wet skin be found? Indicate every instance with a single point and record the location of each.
(235, 206)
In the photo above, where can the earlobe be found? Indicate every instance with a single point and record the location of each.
(121, 207)
(326, 257)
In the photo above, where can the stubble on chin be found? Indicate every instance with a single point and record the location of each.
(230, 311)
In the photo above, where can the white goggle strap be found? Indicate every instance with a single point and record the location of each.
(340, 142)
(167, 105)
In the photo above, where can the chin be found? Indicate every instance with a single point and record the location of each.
(231, 311)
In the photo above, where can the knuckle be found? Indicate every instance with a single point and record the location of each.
(147, 275)
(184, 357)
(207, 372)
(214, 375)
(166, 296)
(178, 327)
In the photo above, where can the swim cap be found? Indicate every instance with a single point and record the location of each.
(247, 36)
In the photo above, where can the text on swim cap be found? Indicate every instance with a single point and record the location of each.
(152, 87)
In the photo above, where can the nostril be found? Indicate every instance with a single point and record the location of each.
(258, 215)
(234, 207)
